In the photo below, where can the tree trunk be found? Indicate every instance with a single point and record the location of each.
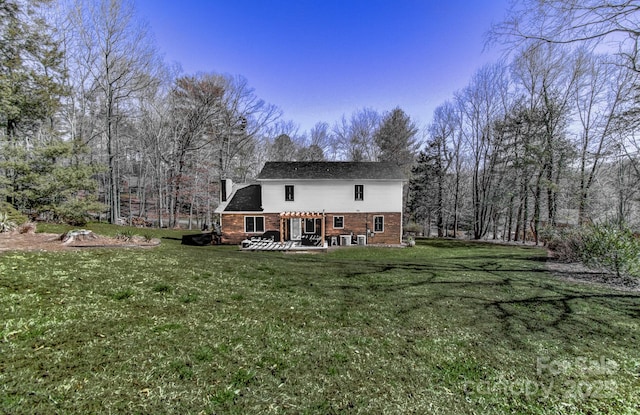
(114, 205)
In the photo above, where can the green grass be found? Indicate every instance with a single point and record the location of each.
(446, 327)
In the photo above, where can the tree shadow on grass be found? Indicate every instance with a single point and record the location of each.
(508, 296)
(514, 303)
(565, 315)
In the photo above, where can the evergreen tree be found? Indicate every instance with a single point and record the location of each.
(40, 172)
(30, 69)
(396, 139)
(59, 187)
(426, 187)
(31, 78)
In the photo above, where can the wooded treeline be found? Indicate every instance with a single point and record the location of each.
(94, 124)
(544, 138)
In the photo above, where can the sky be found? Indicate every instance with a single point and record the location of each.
(318, 60)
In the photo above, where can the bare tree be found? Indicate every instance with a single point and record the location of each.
(546, 76)
(245, 119)
(599, 100)
(118, 61)
(482, 102)
(570, 21)
(196, 102)
(606, 27)
(354, 137)
(320, 137)
(154, 130)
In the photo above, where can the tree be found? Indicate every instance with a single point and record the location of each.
(396, 139)
(245, 119)
(31, 71)
(421, 203)
(153, 131)
(317, 145)
(427, 184)
(196, 103)
(546, 77)
(320, 138)
(570, 21)
(599, 97)
(353, 138)
(60, 188)
(116, 52)
(312, 152)
(482, 102)
(283, 149)
(31, 86)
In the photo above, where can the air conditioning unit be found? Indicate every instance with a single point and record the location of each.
(362, 239)
(345, 240)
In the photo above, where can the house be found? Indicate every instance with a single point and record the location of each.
(316, 203)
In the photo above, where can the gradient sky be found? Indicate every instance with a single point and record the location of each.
(320, 59)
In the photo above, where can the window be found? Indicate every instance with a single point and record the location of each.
(254, 224)
(378, 223)
(288, 193)
(338, 222)
(309, 226)
(359, 192)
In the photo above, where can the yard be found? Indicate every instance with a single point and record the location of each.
(445, 327)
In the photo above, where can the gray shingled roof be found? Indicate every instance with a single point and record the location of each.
(246, 199)
(348, 170)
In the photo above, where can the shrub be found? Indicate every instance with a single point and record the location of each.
(413, 228)
(567, 244)
(6, 224)
(613, 247)
(10, 214)
(125, 235)
(608, 246)
(77, 212)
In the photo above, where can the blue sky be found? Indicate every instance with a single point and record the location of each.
(318, 60)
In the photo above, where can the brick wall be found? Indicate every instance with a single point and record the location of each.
(358, 223)
(233, 226)
(354, 223)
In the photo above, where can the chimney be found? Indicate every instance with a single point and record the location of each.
(226, 186)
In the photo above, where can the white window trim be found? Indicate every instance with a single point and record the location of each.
(374, 223)
(355, 192)
(334, 222)
(254, 224)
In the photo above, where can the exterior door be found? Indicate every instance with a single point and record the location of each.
(296, 229)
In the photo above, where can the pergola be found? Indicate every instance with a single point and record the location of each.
(284, 216)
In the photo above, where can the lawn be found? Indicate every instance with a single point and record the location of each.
(443, 328)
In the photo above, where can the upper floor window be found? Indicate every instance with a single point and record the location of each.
(288, 193)
(359, 192)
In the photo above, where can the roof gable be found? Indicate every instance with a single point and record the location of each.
(330, 170)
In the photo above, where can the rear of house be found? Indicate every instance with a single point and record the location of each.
(317, 203)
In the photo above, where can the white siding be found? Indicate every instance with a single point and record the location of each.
(332, 196)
